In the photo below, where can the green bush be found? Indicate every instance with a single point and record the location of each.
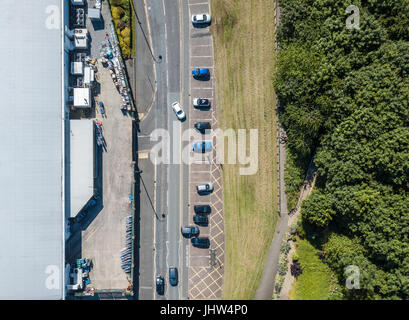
(120, 25)
(126, 19)
(117, 13)
(115, 3)
(126, 32)
(282, 269)
(125, 4)
(121, 14)
(285, 248)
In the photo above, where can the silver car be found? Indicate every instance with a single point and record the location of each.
(178, 110)
(205, 188)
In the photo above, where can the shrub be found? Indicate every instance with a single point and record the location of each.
(282, 270)
(117, 13)
(126, 19)
(126, 33)
(295, 257)
(295, 269)
(126, 52)
(116, 3)
(278, 284)
(120, 25)
(285, 248)
(125, 4)
(127, 41)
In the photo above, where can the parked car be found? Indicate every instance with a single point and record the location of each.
(173, 276)
(201, 18)
(205, 188)
(201, 220)
(202, 146)
(190, 231)
(201, 242)
(201, 126)
(200, 73)
(202, 209)
(201, 103)
(178, 110)
(160, 285)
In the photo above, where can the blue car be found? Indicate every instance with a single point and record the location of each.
(200, 72)
(202, 146)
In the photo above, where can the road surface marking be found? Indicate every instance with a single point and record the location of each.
(143, 155)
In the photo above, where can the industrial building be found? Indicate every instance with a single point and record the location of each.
(47, 160)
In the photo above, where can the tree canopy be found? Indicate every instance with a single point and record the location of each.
(345, 94)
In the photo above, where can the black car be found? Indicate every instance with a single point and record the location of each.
(160, 285)
(201, 126)
(201, 242)
(190, 231)
(173, 276)
(201, 220)
(202, 209)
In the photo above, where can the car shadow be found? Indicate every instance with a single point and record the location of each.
(203, 108)
(203, 78)
(201, 25)
(204, 193)
(98, 24)
(93, 211)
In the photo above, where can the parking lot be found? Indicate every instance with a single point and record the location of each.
(205, 274)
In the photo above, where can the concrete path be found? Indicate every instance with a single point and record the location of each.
(265, 289)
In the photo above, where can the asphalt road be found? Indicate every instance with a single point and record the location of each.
(167, 34)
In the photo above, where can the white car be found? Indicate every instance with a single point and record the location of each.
(178, 110)
(201, 18)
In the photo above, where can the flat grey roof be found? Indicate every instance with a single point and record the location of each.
(81, 163)
(31, 208)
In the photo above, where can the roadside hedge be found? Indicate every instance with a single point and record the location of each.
(121, 14)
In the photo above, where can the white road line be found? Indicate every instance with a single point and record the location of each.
(200, 202)
(195, 4)
(201, 56)
(201, 45)
(202, 88)
(187, 256)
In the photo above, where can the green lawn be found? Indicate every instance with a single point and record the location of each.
(243, 35)
(315, 281)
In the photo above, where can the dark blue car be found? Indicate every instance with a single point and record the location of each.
(200, 73)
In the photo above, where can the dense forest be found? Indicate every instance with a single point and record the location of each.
(345, 98)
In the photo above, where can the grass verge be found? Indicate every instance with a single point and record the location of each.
(316, 281)
(243, 33)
